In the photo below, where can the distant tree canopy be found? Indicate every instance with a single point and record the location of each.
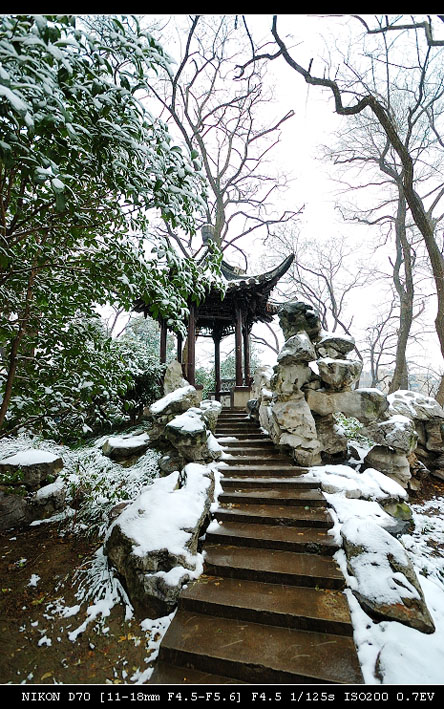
(82, 165)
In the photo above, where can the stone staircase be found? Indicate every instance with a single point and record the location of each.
(269, 608)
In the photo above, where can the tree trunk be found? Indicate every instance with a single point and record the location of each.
(440, 394)
(15, 347)
(405, 292)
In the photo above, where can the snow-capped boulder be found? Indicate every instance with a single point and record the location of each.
(210, 411)
(414, 405)
(366, 405)
(153, 543)
(397, 432)
(296, 316)
(165, 409)
(297, 348)
(428, 420)
(48, 500)
(339, 374)
(389, 462)
(382, 576)
(128, 446)
(30, 468)
(334, 346)
(189, 435)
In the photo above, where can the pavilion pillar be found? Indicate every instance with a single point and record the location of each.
(217, 378)
(163, 341)
(191, 359)
(238, 346)
(247, 372)
(179, 347)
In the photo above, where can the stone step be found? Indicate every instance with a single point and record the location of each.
(261, 470)
(270, 604)
(269, 536)
(257, 461)
(262, 445)
(255, 452)
(236, 433)
(239, 422)
(165, 673)
(272, 566)
(237, 418)
(237, 430)
(294, 516)
(274, 497)
(257, 483)
(257, 653)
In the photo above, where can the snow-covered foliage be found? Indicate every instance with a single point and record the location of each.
(94, 483)
(83, 164)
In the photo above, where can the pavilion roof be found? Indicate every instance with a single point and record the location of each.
(216, 314)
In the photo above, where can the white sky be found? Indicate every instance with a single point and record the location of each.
(314, 124)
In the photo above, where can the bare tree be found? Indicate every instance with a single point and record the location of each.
(224, 124)
(360, 90)
(324, 273)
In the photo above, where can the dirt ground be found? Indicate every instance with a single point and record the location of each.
(95, 657)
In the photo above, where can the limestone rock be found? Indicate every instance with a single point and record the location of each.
(30, 467)
(434, 435)
(170, 462)
(20, 509)
(297, 348)
(389, 462)
(335, 346)
(385, 581)
(292, 425)
(288, 380)
(210, 411)
(339, 374)
(261, 381)
(173, 378)
(48, 500)
(296, 316)
(123, 447)
(13, 511)
(366, 405)
(397, 432)
(332, 439)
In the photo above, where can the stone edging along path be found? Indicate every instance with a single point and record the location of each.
(269, 607)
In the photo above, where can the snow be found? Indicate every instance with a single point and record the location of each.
(370, 485)
(188, 423)
(378, 546)
(51, 489)
(32, 456)
(128, 441)
(414, 405)
(389, 652)
(325, 335)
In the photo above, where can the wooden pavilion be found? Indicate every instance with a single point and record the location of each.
(245, 302)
